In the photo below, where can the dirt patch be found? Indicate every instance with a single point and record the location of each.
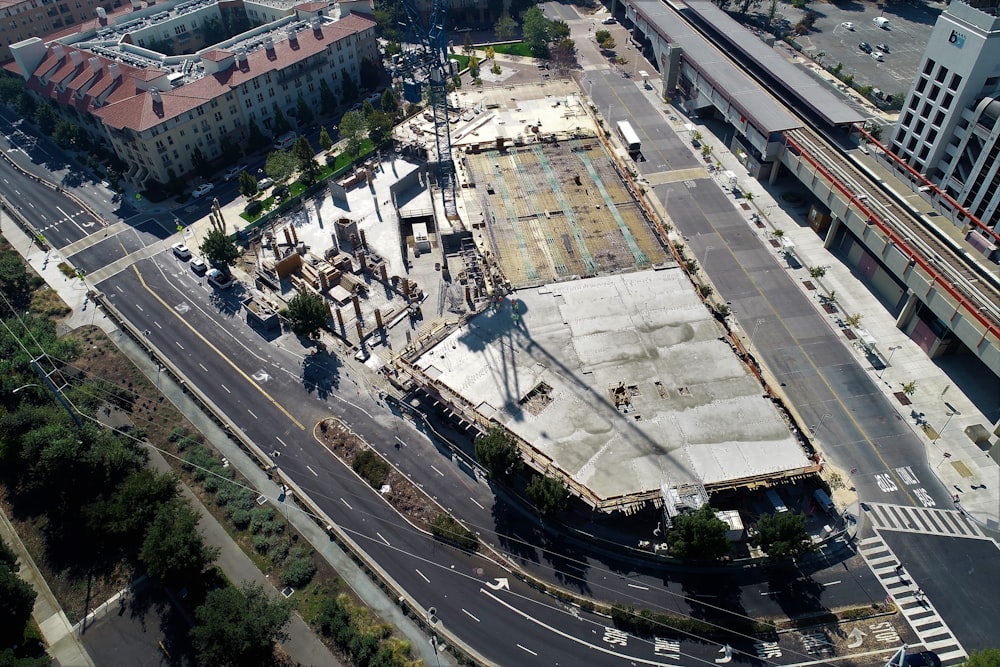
(902, 398)
(405, 497)
(850, 335)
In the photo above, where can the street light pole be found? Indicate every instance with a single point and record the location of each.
(892, 350)
(939, 433)
(822, 419)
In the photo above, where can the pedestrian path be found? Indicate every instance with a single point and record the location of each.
(922, 520)
(916, 608)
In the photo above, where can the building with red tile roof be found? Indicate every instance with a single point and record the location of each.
(165, 114)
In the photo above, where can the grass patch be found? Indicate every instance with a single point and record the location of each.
(463, 61)
(515, 49)
(67, 270)
(46, 301)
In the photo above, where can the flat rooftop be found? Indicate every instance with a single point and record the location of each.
(624, 382)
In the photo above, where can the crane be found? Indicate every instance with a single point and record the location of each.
(427, 63)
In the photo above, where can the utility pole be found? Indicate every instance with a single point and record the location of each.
(57, 391)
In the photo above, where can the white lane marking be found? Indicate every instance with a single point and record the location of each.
(252, 414)
(140, 308)
(400, 441)
(346, 503)
(158, 325)
(831, 583)
(423, 577)
(119, 289)
(179, 345)
(383, 539)
(528, 650)
(632, 659)
(281, 441)
(203, 367)
(641, 588)
(226, 388)
(471, 616)
(436, 470)
(477, 504)
(315, 474)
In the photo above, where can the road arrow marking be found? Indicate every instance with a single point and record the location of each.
(858, 635)
(728, 657)
(502, 583)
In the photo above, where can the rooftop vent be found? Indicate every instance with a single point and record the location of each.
(317, 23)
(292, 35)
(76, 57)
(155, 93)
(241, 55)
(95, 64)
(268, 43)
(59, 51)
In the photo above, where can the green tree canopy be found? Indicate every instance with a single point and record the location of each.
(782, 535)
(325, 142)
(389, 102)
(369, 73)
(280, 124)
(536, 30)
(173, 549)
(280, 165)
(698, 535)
(987, 657)
(248, 184)
(220, 250)
(353, 128)
(348, 87)
(327, 100)
(303, 112)
(548, 494)
(255, 138)
(45, 117)
(17, 598)
(305, 159)
(498, 452)
(307, 313)
(68, 134)
(505, 28)
(379, 127)
(239, 626)
(132, 507)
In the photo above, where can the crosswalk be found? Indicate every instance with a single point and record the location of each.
(918, 611)
(923, 520)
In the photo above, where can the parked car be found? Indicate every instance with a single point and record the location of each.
(877, 55)
(883, 47)
(265, 183)
(881, 22)
(285, 141)
(219, 280)
(281, 194)
(181, 251)
(235, 171)
(203, 189)
(865, 46)
(847, 25)
(609, 21)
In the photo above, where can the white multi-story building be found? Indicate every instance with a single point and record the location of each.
(949, 127)
(162, 113)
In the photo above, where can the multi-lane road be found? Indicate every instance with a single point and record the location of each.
(262, 389)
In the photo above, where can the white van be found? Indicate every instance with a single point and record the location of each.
(881, 22)
(285, 141)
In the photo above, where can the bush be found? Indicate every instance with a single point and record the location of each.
(185, 442)
(211, 484)
(240, 518)
(254, 207)
(299, 571)
(261, 544)
(277, 548)
(176, 434)
(234, 497)
(445, 527)
(370, 467)
(261, 520)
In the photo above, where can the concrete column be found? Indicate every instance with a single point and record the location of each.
(340, 319)
(363, 259)
(357, 306)
(288, 237)
(295, 236)
(361, 331)
(364, 240)
(832, 232)
(381, 269)
(909, 308)
(775, 170)
(378, 318)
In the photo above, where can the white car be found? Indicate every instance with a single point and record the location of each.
(203, 189)
(609, 21)
(234, 172)
(181, 251)
(198, 265)
(264, 183)
(847, 25)
(877, 55)
(219, 280)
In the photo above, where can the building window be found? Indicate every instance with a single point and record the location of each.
(948, 99)
(180, 29)
(249, 103)
(218, 116)
(929, 66)
(921, 84)
(941, 74)
(956, 81)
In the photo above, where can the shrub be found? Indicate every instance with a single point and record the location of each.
(261, 520)
(299, 571)
(176, 434)
(254, 207)
(261, 544)
(370, 467)
(445, 527)
(211, 484)
(277, 548)
(185, 442)
(240, 518)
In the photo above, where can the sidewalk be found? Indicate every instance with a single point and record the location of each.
(963, 468)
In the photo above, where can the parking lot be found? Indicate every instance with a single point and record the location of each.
(907, 34)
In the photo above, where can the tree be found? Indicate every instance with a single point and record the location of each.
(303, 112)
(369, 73)
(772, 12)
(782, 535)
(280, 165)
(68, 134)
(467, 44)
(173, 549)
(379, 127)
(348, 89)
(353, 129)
(307, 313)
(220, 250)
(45, 118)
(201, 165)
(133, 506)
(17, 599)
(698, 535)
(281, 124)
(988, 657)
(505, 28)
(239, 626)
(910, 388)
(255, 138)
(389, 103)
(325, 142)
(327, 100)
(248, 184)
(535, 28)
(498, 452)
(746, 5)
(548, 494)
(563, 53)
(305, 159)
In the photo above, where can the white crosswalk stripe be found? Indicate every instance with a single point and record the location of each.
(923, 520)
(918, 611)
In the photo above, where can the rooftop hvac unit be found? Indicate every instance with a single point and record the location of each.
(76, 57)
(268, 43)
(241, 55)
(292, 36)
(59, 50)
(317, 23)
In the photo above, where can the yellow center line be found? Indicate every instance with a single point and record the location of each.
(836, 396)
(216, 350)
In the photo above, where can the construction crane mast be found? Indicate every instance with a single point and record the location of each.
(426, 57)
